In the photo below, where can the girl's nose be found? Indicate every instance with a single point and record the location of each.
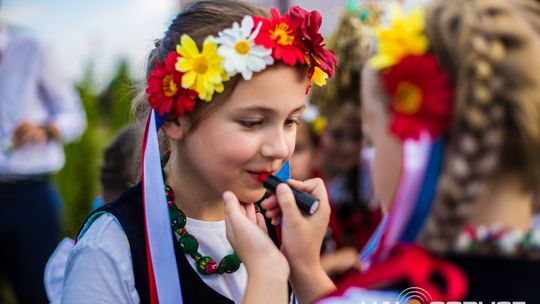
(275, 145)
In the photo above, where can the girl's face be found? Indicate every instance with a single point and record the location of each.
(302, 161)
(252, 133)
(386, 166)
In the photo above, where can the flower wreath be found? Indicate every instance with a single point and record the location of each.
(421, 108)
(188, 74)
(421, 90)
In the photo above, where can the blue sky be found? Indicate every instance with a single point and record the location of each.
(101, 31)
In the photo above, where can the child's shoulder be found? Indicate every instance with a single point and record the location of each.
(104, 236)
(126, 206)
(100, 260)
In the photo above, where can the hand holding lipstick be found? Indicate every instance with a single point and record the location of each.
(306, 202)
(302, 236)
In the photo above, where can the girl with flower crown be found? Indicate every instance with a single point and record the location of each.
(225, 88)
(451, 102)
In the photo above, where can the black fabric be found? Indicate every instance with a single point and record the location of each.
(487, 279)
(128, 210)
(497, 278)
(29, 232)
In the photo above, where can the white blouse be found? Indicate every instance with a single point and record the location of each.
(99, 267)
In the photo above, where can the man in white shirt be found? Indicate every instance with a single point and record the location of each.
(39, 111)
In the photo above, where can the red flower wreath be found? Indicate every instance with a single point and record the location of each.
(281, 35)
(165, 89)
(422, 96)
(318, 55)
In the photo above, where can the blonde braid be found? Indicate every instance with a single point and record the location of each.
(484, 45)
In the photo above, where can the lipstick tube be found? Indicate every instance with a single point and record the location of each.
(305, 201)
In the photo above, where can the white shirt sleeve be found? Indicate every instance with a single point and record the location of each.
(62, 100)
(99, 268)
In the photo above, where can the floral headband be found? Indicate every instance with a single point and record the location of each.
(421, 90)
(421, 106)
(188, 74)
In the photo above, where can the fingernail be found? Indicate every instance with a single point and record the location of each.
(228, 196)
(281, 188)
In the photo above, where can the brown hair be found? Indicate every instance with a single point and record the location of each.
(118, 172)
(199, 19)
(490, 49)
(350, 43)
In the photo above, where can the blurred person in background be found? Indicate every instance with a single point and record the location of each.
(455, 121)
(304, 166)
(118, 173)
(343, 162)
(39, 112)
(119, 168)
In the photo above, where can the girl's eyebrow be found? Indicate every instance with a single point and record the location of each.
(268, 111)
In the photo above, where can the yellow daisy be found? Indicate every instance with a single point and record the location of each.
(405, 36)
(203, 72)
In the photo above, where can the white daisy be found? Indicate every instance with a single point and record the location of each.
(239, 52)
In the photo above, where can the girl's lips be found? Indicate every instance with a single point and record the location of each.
(260, 175)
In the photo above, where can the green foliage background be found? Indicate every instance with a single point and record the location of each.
(107, 112)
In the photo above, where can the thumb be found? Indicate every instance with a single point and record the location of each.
(232, 211)
(287, 203)
(232, 205)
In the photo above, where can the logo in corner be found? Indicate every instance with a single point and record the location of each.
(414, 295)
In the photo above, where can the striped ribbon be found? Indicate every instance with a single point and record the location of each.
(163, 276)
(421, 167)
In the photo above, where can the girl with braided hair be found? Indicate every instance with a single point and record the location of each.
(451, 103)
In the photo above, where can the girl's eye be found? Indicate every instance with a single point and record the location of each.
(291, 122)
(250, 123)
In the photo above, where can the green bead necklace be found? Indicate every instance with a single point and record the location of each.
(188, 243)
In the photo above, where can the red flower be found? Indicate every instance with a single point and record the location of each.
(422, 96)
(165, 89)
(310, 23)
(281, 35)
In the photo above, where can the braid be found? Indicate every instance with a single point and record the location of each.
(483, 45)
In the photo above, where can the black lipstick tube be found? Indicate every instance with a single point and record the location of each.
(305, 201)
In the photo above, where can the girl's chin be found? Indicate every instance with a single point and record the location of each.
(251, 196)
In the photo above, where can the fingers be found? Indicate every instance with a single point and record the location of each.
(261, 223)
(231, 211)
(232, 205)
(273, 211)
(250, 212)
(274, 215)
(22, 128)
(314, 186)
(270, 203)
(287, 203)
(26, 133)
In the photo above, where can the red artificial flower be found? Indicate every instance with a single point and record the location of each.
(165, 89)
(282, 36)
(310, 23)
(422, 96)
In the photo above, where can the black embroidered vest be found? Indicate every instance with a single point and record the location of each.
(128, 210)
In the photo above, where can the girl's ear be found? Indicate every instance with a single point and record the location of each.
(175, 129)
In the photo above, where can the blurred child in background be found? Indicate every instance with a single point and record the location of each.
(343, 165)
